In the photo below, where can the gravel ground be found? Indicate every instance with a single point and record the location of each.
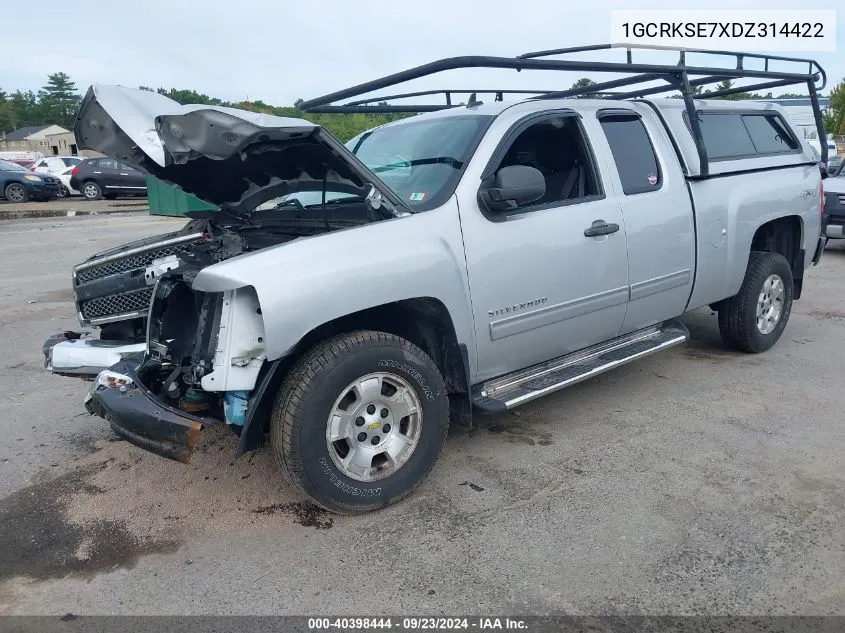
(695, 481)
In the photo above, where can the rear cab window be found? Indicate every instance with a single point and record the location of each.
(633, 152)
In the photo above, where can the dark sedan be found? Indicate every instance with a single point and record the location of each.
(108, 178)
(18, 184)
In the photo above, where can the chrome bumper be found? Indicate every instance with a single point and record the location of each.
(70, 355)
(836, 231)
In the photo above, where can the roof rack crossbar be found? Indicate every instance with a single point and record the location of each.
(600, 87)
(680, 76)
(656, 90)
(448, 92)
(814, 66)
(739, 89)
(642, 70)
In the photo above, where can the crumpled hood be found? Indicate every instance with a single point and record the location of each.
(225, 156)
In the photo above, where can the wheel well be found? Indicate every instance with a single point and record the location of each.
(424, 321)
(783, 236)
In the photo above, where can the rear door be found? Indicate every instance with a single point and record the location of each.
(132, 181)
(648, 179)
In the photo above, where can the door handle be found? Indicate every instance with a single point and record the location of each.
(600, 227)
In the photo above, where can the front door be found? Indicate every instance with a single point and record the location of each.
(540, 286)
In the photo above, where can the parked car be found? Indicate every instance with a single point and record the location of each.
(480, 257)
(66, 189)
(55, 164)
(18, 184)
(107, 178)
(834, 203)
(813, 141)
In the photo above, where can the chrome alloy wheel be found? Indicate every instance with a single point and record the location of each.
(770, 304)
(15, 193)
(374, 426)
(90, 191)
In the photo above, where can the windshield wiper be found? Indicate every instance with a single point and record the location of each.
(437, 160)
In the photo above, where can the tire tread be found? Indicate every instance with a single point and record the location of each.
(297, 386)
(733, 322)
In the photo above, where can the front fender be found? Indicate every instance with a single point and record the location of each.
(308, 282)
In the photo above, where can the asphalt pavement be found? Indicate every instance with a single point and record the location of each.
(695, 481)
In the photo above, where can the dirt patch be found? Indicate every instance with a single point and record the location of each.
(827, 315)
(306, 514)
(216, 494)
(38, 540)
(521, 433)
(57, 296)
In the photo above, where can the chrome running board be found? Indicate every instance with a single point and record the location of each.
(512, 390)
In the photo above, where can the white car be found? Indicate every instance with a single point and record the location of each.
(66, 190)
(55, 164)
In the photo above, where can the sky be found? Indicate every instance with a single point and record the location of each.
(278, 51)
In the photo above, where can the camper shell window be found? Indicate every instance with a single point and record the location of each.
(732, 135)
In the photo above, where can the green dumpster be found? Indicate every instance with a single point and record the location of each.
(166, 199)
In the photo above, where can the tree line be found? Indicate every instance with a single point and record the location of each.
(58, 100)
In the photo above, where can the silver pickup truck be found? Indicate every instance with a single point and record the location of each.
(355, 300)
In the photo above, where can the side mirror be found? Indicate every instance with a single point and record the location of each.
(514, 186)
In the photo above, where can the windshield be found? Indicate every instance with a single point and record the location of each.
(421, 161)
(5, 165)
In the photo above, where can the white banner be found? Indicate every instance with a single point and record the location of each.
(768, 31)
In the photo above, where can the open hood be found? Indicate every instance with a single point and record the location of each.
(228, 157)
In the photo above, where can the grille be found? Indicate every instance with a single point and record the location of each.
(842, 200)
(132, 262)
(135, 301)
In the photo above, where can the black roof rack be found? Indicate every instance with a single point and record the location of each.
(680, 76)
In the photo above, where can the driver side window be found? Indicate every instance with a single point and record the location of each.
(557, 148)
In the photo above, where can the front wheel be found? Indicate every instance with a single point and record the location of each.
(62, 192)
(360, 421)
(16, 192)
(754, 319)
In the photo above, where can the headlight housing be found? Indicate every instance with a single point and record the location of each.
(32, 178)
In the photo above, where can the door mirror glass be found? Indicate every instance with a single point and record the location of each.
(513, 187)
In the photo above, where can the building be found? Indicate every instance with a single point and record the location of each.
(50, 140)
(31, 139)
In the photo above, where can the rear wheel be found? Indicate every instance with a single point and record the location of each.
(62, 192)
(360, 421)
(16, 192)
(91, 190)
(754, 319)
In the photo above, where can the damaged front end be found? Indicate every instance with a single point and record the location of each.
(134, 413)
(171, 359)
(202, 358)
